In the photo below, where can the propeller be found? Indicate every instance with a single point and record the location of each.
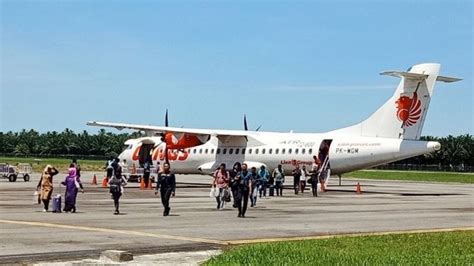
(246, 127)
(163, 137)
(245, 123)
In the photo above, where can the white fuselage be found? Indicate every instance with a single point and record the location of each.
(346, 153)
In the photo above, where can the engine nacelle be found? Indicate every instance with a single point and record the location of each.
(184, 141)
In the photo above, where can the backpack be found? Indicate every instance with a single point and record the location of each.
(115, 185)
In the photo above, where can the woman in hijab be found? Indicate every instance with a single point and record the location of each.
(73, 184)
(46, 185)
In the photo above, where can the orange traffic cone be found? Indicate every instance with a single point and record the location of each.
(94, 180)
(358, 189)
(104, 182)
(142, 184)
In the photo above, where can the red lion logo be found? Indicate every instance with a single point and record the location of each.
(408, 110)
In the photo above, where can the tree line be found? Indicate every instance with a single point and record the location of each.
(67, 143)
(455, 150)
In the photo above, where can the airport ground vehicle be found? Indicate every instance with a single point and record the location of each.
(12, 172)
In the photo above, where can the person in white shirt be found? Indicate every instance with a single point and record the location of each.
(303, 176)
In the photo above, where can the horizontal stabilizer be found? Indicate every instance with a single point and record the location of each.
(447, 79)
(409, 75)
(418, 77)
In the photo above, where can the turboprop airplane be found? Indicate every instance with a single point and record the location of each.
(390, 134)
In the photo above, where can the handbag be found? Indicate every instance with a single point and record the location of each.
(36, 197)
(78, 186)
(227, 195)
(216, 192)
(211, 193)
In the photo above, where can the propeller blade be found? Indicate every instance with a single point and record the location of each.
(258, 128)
(166, 118)
(245, 123)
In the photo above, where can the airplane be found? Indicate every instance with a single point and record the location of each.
(390, 134)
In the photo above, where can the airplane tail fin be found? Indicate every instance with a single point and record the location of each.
(403, 115)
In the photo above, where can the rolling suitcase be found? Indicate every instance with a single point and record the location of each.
(57, 203)
(272, 191)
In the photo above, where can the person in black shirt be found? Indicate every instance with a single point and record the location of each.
(233, 184)
(166, 184)
(146, 173)
(244, 187)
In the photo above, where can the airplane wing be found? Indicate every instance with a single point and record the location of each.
(159, 130)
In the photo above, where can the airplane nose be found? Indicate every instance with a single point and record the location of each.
(434, 145)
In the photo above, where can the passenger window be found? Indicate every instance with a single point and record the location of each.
(205, 151)
(224, 151)
(296, 151)
(218, 151)
(277, 150)
(310, 151)
(303, 151)
(263, 151)
(270, 151)
(289, 151)
(231, 151)
(194, 151)
(243, 151)
(256, 151)
(283, 151)
(200, 151)
(250, 151)
(212, 151)
(236, 151)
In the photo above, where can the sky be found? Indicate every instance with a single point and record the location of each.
(306, 66)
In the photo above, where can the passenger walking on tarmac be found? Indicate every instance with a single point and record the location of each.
(146, 173)
(233, 183)
(117, 168)
(271, 185)
(46, 185)
(221, 182)
(244, 187)
(279, 176)
(263, 176)
(314, 180)
(116, 186)
(166, 184)
(73, 185)
(77, 166)
(303, 176)
(109, 166)
(255, 183)
(296, 178)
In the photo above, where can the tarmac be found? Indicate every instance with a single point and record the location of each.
(29, 235)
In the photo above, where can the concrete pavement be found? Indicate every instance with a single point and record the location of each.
(29, 235)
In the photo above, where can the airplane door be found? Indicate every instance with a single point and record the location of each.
(323, 156)
(323, 152)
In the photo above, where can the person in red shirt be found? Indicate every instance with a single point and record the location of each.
(221, 182)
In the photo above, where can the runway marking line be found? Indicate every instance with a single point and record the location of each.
(231, 242)
(124, 232)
